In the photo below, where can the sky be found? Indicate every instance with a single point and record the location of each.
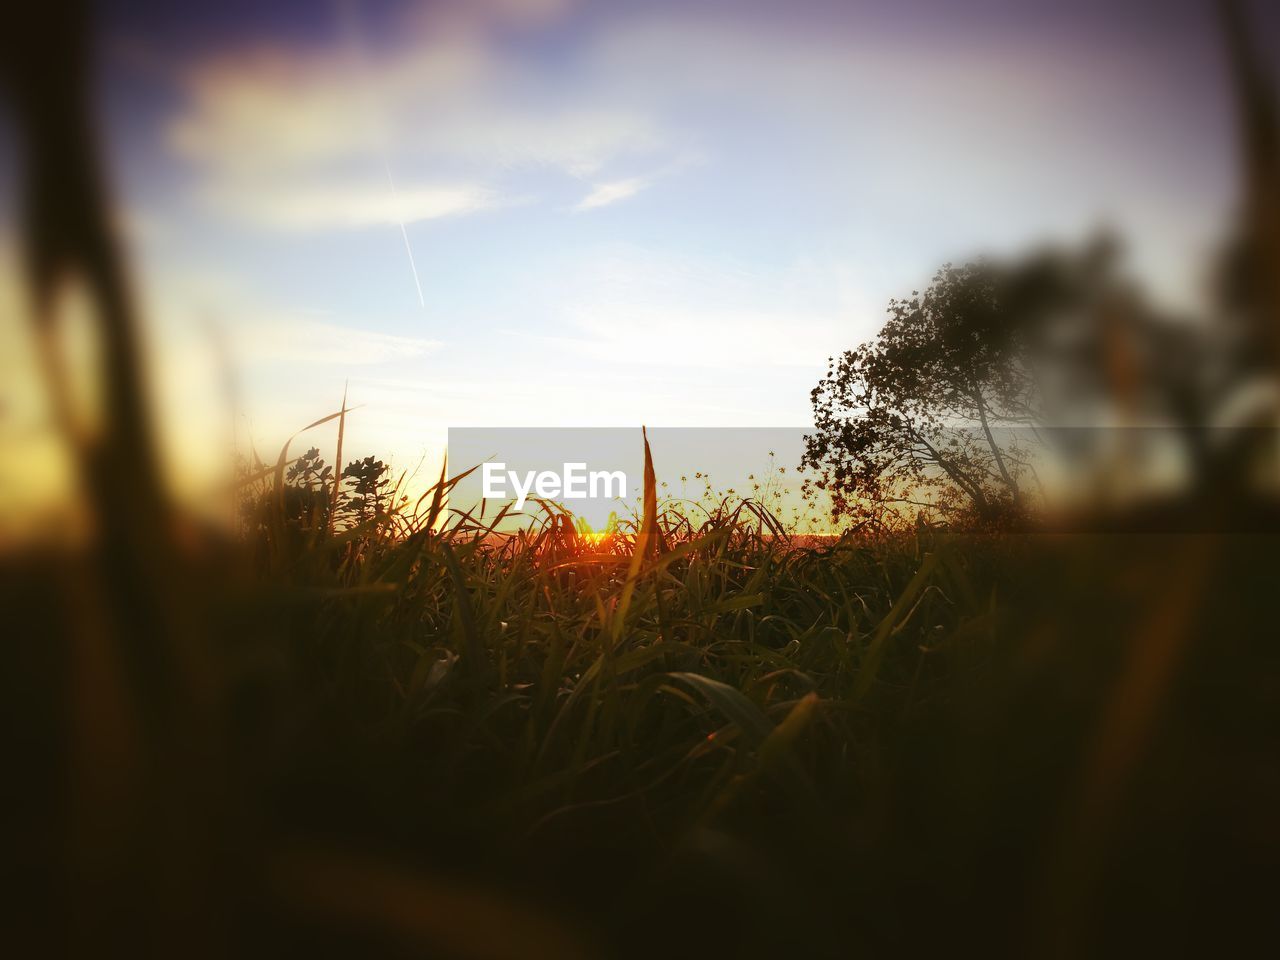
(558, 213)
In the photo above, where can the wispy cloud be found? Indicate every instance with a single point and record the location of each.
(624, 333)
(604, 194)
(299, 342)
(297, 136)
(631, 305)
(344, 204)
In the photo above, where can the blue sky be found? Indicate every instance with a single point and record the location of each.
(653, 212)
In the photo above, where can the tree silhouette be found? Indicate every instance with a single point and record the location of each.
(916, 415)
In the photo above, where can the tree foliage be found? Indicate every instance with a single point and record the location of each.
(921, 414)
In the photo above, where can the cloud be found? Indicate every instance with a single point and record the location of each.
(631, 305)
(604, 194)
(298, 136)
(698, 337)
(457, 15)
(299, 342)
(337, 204)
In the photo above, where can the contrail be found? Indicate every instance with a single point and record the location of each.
(349, 17)
(408, 247)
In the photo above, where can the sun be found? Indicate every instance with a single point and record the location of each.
(588, 534)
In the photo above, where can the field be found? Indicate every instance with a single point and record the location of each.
(413, 735)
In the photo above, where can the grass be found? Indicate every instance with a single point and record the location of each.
(663, 679)
(410, 734)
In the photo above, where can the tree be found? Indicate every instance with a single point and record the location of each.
(919, 415)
